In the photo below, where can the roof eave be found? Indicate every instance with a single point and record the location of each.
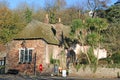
(37, 39)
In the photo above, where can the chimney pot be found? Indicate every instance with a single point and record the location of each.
(59, 20)
(46, 19)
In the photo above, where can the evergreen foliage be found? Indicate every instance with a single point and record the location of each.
(28, 15)
(116, 58)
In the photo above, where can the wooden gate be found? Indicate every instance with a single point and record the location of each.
(2, 65)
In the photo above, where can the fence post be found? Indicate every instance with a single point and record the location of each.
(35, 65)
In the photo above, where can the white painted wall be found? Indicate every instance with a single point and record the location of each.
(79, 49)
(102, 53)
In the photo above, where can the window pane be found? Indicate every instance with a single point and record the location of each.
(30, 55)
(3, 62)
(26, 55)
(21, 55)
(0, 62)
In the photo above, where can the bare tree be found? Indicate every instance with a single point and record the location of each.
(3, 3)
(94, 5)
(54, 4)
(53, 8)
(60, 4)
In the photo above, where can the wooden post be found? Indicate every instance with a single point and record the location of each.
(35, 65)
(4, 64)
(4, 61)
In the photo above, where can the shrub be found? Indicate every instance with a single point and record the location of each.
(53, 61)
(91, 55)
(116, 58)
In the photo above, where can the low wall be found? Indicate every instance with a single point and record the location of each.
(100, 72)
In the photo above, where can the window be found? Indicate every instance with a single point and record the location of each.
(2, 62)
(25, 55)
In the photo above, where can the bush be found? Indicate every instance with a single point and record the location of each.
(53, 61)
(2, 69)
(116, 58)
(82, 58)
(91, 55)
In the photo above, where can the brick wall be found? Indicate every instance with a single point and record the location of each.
(40, 47)
(13, 55)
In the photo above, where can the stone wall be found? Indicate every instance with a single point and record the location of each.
(101, 72)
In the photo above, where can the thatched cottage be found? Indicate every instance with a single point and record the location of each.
(34, 45)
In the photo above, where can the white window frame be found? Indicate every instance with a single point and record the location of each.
(24, 61)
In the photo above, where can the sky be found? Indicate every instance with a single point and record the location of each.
(14, 3)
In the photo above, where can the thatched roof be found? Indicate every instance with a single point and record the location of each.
(39, 30)
(65, 29)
